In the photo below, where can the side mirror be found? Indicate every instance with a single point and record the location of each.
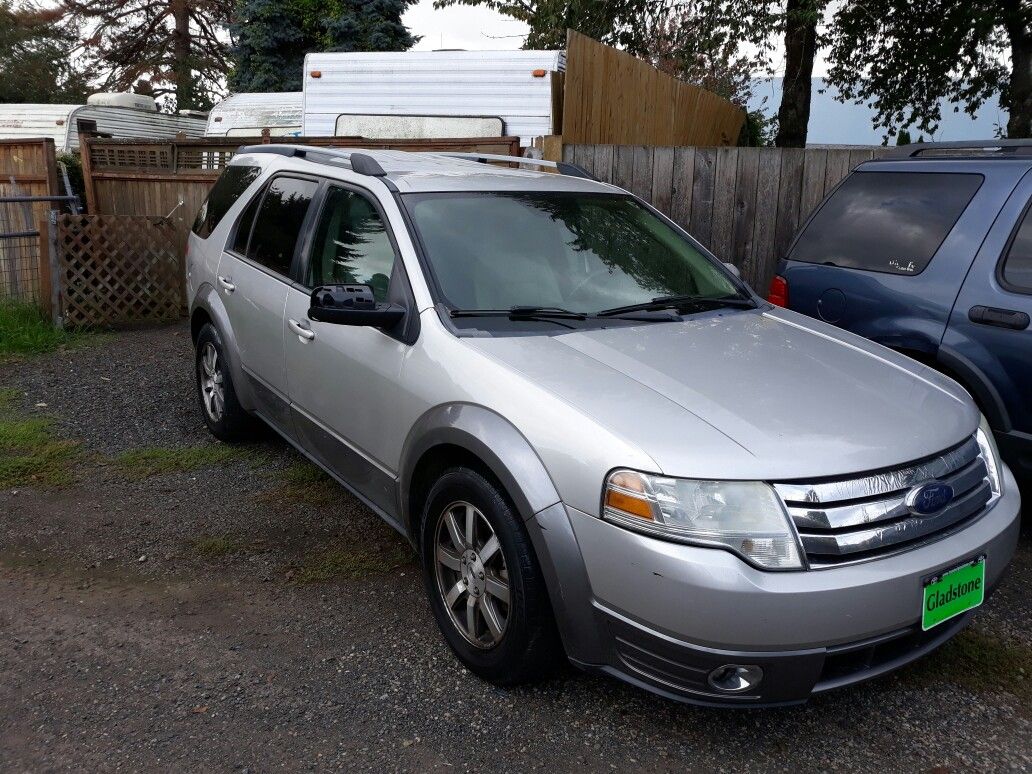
(733, 269)
(352, 305)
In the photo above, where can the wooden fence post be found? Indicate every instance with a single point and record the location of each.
(85, 153)
(43, 269)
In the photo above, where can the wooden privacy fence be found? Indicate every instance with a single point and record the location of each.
(27, 169)
(611, 97)
(117, 269)
(744, 204)
(132, 177)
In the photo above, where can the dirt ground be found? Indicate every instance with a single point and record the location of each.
(167, 602)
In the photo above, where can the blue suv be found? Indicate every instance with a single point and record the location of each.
(929, 251)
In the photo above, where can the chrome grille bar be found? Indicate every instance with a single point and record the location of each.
(841, 544)
(809, 517)
(855, 519)
(880, 483)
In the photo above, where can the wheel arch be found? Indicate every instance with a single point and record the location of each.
(476, 437)
(207, 308)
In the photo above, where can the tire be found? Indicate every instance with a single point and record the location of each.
(225, 418)
(528, 647)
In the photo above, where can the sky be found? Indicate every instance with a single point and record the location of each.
(463, 27)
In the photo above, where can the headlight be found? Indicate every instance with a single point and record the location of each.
(991, 455)
(746, 517)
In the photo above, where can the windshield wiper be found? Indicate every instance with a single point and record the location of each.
(521, 313)
(680, 303)
(524, 313)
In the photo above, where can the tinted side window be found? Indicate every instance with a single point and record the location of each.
(243, 226)
(890, 222)
(351, 245)
(1017, 266)
(233, 181)
(278, 222)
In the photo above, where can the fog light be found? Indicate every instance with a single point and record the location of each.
(735, 678)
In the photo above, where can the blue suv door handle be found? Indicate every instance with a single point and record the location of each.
(1001, 318)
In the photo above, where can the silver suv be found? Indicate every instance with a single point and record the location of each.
(604, 446)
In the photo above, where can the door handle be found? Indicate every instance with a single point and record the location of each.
(305, 333)
(1001, 318)
(228, 286)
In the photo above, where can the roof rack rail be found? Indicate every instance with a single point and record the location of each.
(982, 148)
(562, 167)
(362, 163)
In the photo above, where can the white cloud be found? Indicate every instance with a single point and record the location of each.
(460, 26)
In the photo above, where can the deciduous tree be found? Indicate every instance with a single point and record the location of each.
(906, 56)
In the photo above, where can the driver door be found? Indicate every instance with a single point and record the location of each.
(343, 380)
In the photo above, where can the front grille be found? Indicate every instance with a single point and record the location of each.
(850, 519)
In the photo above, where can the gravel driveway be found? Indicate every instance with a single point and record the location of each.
(192, 606)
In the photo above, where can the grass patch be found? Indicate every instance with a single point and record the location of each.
(23, 331)
(980, 663)
(350, 561)
(159, 461)
(30, 453)
(215, 546)
(306, 483)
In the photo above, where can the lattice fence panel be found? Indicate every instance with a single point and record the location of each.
(117, 269)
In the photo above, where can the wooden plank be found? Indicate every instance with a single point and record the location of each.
(838, 168)
(682, 185)
(815, 169)
(789, 199)
(744, 209)
(641, 176)
(761, 268)
(702, 195)
(623, 166)
(725, 178)
(604, 157)
(662, 179)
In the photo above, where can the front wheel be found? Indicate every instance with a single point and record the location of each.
(485, 585)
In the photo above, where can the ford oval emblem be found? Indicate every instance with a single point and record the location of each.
(929, 498)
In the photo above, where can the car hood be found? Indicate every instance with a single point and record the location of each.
(764, 394)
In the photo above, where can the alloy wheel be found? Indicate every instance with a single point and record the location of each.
(472, 577)
(212, 390)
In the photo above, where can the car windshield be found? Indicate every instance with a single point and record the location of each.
(576, 252)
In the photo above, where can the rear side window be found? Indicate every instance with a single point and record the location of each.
(233, 181)
(243, 227)
(278, 223)
(1017, 266)
(891, 222)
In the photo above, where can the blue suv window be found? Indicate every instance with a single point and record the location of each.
(890, 222)
(1017, 266)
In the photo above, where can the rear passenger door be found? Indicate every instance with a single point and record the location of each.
(254, 274)
(990, 324)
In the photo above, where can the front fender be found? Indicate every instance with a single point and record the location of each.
(207, 299)
(493, 440)
(513, 461)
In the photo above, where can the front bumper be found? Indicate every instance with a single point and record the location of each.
(663, 615)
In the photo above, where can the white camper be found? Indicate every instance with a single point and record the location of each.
(431, 94)
(117, 115)
(247, 114)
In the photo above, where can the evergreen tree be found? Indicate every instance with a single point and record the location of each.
(271, 38)
(35, 61)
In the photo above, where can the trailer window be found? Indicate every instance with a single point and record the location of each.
(892, 222)
(233, 181)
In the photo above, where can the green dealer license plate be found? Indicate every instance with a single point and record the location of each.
(955, 591)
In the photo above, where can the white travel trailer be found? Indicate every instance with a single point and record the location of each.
(117, 115)
(248, 113)
(432, 94)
